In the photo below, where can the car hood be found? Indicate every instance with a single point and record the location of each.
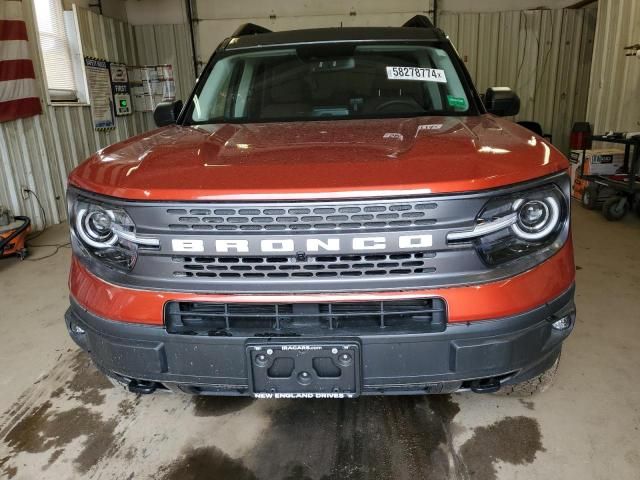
(319, 159)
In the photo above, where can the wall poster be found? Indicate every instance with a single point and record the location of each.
(100, 96)
(150, 85)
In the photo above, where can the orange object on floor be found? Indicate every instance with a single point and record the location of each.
(13, 237)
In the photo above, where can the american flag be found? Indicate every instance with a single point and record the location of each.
(18, 89)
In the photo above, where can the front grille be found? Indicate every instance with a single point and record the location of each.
(295, 319)
(204, 267)
(324, 218)
(320, 266)
(197, 251)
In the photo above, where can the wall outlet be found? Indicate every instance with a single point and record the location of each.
(25, 192)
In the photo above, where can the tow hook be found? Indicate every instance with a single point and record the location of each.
(142, 387)
(485, 385)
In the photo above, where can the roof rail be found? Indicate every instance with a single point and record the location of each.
(419, 21)
(249, 29)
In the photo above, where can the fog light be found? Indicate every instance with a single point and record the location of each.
(77, 329)
(563, 323)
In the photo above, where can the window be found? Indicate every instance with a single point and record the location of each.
(331, 82)
(56, 54)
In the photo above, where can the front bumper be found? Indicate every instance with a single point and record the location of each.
(465, 355)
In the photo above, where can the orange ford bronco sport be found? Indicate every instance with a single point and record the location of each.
(334, 212)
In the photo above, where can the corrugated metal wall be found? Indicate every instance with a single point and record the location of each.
(39, 152)
(544, 55)
(157, 44)
(614, 92)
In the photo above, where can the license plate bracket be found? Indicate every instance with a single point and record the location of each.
(304, 370)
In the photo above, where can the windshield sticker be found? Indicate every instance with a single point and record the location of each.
(416, 73)
(457, 102)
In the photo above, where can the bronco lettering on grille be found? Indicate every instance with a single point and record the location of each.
(292, 245)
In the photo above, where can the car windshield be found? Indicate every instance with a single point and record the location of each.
(330, 81)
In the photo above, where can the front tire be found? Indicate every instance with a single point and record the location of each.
(532, 386)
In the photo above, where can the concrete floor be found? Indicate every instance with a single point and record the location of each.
(62, 420)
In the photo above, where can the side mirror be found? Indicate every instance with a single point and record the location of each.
(166, 113)
(502, 101)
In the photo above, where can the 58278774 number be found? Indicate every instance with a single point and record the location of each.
(416, 73)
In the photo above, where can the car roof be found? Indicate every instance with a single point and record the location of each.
(330, 35)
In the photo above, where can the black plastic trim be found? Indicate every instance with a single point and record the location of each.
(383, 317)
(250, 29)
(419, 21)
(513, 349)
(334, 34)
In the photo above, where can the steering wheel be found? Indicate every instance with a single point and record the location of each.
(399, 102)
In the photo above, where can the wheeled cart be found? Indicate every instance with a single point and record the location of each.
(623, 189)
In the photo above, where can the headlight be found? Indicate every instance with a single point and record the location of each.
(514, 226)
(536, 218)
(95, 226)
(105, 233)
